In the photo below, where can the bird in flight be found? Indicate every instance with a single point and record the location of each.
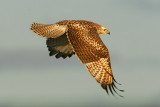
(80, 38)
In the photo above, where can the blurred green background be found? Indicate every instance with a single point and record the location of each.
(30, 78)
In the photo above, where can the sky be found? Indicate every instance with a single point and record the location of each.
(30, 77)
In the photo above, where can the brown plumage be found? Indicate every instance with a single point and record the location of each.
(80, 37)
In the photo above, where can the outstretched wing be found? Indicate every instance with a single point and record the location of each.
(59, 46)
(91, 50)
(101, 70)
(49, 30)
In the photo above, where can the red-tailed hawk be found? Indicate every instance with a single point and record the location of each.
(81, 38)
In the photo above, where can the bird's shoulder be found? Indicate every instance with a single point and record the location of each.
(73, 23)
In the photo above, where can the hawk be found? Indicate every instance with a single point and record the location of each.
(80, 37)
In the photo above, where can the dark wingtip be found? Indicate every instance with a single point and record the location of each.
(116, 87)
(116, 81)
(64, 56)
(112, 87)
(107, 90)
(52, 53)
(69, 55)
(116, 91)
(121, 90)
(59, 55)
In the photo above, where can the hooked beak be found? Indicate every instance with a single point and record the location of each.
(108, 33)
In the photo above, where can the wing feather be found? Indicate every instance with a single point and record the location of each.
(59, 46)
(87, 45)
(91, 51)
(49, 30)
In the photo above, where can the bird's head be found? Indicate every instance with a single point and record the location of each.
(103, 30)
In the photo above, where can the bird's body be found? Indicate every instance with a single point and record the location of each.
(81, 38)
